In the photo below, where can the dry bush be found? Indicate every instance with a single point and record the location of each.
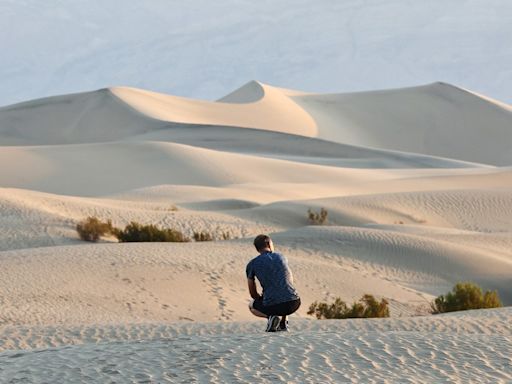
(203, 236)
(465, 296)
(207, 236)
(135, 232)
(92, 228)
(317, 218)
(366, 307)
(225, 235)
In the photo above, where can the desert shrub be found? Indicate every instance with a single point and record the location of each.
(336, 310)
(225, 235)
(135, 232)
(92, 228)
(466, 296)
(366, 307)
(318, 218)
(207, 236)
(203, 236)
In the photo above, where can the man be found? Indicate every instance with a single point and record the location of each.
(279, 297)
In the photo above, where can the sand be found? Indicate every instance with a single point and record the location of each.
(417, 183)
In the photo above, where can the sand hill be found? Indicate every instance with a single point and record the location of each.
(417, 183)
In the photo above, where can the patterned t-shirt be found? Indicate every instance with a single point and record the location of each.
(272, 271)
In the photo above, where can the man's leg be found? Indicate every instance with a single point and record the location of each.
(288, 308)
(283, 324)
(255, 312)
(256, 308)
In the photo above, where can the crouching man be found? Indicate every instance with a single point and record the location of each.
(279, 297)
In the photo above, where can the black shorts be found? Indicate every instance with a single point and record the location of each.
(281, 309)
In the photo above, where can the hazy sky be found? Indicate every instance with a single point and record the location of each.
(205, 49)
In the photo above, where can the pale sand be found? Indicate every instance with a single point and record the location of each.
(417, 195)
(469, 347)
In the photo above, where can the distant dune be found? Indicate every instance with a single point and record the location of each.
(429, 120)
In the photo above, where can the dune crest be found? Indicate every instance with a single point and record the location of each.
(428, 120)
(253, 106)
(436, 119)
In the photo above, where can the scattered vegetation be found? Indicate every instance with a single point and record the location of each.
(135, 232)
(92, 228)
(225, 235)
(317, 218)
(366, 307)
(465, 296)
(203, 236)
(207, 236)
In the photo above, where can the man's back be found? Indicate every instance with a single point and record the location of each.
(272, 271)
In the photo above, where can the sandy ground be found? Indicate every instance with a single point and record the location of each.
(417, 183)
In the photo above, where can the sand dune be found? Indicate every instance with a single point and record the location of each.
(157, 282)
(417, 183)
(394, 120)
(107, 168)
(430, 119)
(253, 106)
(78, 118)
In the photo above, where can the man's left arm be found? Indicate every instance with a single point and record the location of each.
(253, 290)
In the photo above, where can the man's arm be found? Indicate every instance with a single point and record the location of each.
(252, 289)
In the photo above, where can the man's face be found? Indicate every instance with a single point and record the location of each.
(271, 245)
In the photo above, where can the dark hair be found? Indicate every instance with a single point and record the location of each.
(261, 242)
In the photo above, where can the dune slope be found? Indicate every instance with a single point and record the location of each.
(428, 120)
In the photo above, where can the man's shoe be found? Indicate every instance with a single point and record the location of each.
(283, 326)
(272, 323)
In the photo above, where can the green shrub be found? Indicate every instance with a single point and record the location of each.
(318, 218)
(465, 296)
(203, 236)
(91, 229)
(135, 232)
(366, 307)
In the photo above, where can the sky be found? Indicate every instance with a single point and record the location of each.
(205, 49)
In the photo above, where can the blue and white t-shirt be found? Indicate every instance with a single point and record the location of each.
(272, 271)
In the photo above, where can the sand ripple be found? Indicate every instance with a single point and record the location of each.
(466, 347)
(296, 357)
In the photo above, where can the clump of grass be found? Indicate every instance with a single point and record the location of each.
(318, 218)
(92, 228)
(135, 232)
(366, 307)
(225, 235)
(465, 296)
(203, 236)
(207, 236)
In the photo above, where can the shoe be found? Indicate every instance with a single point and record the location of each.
(272, 323)
(283, 326)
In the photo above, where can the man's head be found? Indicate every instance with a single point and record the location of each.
(263, 243)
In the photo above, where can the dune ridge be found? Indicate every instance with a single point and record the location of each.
(367, 119)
